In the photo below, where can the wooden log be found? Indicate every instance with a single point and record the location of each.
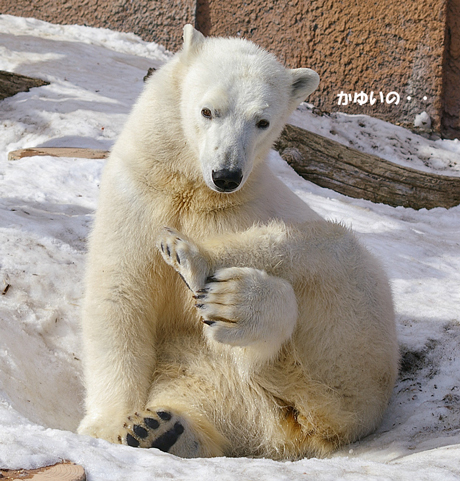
(59, 152)
(65, 471)
(13, 83)
(365, 176)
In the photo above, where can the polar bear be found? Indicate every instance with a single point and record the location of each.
(223, 316)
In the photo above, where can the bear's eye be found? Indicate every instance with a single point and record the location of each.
(206, 113)
(263, 124)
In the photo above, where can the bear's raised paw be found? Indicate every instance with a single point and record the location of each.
(244, 306)
(185, 257)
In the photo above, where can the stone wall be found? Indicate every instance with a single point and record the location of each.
(409, 50)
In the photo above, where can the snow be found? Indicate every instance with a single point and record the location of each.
(422, 120)
(47, 206)
(383, 139)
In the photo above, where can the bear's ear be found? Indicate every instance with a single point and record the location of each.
(192, 41)
(304, 82)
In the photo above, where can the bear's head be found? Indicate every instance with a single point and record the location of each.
(235, 101)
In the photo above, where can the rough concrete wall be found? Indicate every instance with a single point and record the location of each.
(355, 46)
(159, 21)
(411, 48)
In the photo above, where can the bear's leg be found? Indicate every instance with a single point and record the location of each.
(240, 306)
(118, 366)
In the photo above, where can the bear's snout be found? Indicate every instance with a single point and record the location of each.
(227, 180)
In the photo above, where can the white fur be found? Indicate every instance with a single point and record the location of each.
(298, 354)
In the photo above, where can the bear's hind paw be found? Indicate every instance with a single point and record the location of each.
(159, 429)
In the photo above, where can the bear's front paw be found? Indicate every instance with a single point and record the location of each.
(184, 256)
(243, 306)
(161, 429)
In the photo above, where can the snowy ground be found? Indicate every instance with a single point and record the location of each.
(46, 208)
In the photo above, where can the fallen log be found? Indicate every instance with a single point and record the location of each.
(13, 83)
(75, 152)
(365, 176)
(332, 165)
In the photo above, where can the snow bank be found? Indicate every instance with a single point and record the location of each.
(46, 208)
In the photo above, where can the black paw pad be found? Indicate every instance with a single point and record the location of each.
(140, 431)
(178, 428)
(164, 415)
(167, 440)
(158, 429)
(132, 441)
(151, 423)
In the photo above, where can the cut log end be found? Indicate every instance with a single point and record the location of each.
(65, 471)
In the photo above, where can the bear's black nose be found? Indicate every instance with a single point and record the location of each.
(227, 180)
